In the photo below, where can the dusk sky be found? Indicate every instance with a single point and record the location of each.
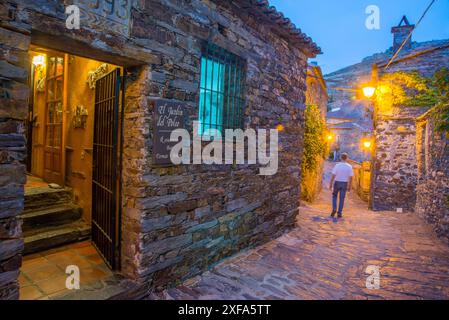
(338, 27)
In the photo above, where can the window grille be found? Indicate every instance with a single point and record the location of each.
(221, 102)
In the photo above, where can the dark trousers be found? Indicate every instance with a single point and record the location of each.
(339, 188)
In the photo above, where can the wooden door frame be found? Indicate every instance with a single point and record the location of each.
(64, 118)
(30, 115)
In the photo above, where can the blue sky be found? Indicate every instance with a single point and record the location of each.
(338, 26)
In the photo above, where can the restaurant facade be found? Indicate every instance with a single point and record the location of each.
(83, 109)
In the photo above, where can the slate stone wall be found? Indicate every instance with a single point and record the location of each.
(395, 168)
(316, 93)
(433, 175)
(395, 163)
(191, 217)
(177, 221)
(14, 42)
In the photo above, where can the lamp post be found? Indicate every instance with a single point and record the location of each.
(370, 145)
(370, 89)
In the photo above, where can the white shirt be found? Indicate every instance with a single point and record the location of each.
(343, 171)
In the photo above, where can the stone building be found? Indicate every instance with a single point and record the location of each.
(153, 222)
(432, 190)
(316, 93)
(395, 165)
(350, 125)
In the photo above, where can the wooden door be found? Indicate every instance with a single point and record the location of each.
(54, 114)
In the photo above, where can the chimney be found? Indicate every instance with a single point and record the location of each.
(400, 33)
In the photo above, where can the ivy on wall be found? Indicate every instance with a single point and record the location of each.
(441, 83)
(315, 151)
(410, 89)
(314, 143)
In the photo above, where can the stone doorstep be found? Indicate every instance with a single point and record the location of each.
(115, 287)
(55, 236)
(50, 216)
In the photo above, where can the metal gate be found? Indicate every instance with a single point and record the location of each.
(105, 173)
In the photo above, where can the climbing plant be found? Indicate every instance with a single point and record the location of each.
(441, 83)
(314, 143)
(411, 89)
(442, 118)
(406, 89)
(315, 150)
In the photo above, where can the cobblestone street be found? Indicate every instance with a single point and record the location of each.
(326, 259)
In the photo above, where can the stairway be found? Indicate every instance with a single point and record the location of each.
(51, 219)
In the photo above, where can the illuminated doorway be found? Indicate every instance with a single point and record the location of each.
(73, 131)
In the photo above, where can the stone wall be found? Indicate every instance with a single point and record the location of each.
(178, 221)
(433, 175)
(316, 93)
(14, 42)
(394, 163)
(191, 217)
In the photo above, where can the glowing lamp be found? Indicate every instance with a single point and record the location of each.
(280, 128)
(38, 60)
(367, 144)
(369, 91)
(330, 137)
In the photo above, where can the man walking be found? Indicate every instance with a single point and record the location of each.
(341, 182)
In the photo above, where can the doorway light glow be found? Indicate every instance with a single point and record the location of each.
(39, 60)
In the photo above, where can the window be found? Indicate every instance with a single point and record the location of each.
(221, 102)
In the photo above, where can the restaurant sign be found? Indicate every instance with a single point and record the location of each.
(168, 116)
(108, 15)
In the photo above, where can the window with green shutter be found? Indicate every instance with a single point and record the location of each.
(221, 102)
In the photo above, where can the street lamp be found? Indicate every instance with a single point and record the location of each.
(369, 91)
(280, 128)
(367, 144)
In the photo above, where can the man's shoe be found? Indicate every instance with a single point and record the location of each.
(333, 214)
(340, 216)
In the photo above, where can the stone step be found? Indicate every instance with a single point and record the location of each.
(51, 237)
(42, 197)
(50, 216)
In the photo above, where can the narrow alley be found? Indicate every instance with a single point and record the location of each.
(183, 149)
(323, 258)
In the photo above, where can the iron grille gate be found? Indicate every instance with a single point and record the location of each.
(105, 184)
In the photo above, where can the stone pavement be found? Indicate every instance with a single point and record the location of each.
(326, 259)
